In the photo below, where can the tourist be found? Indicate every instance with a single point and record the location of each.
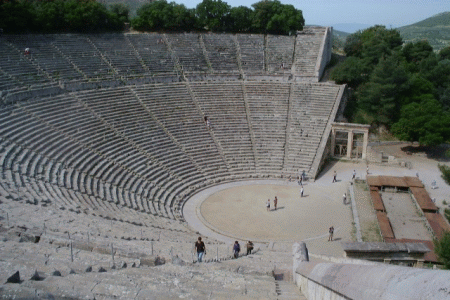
(433, 185)
(354, 175)
(249, 247)
(275, 202)
(303, 175)
(334, 177)
(301, 192)
(330, 231)
(200, 247)
(344, 198)
(300, 181)
(268, 205)
(236, 249)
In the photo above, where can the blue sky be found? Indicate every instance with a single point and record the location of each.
(393, 13)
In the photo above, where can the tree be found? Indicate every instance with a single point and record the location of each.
(16, 15)
(373, 43)
(442, 250)
(416, 52)
(240, 19)
(270, 16)
(444, 53)
(380, 97)
(353, 71)
(424, 122)
(160, 15)
(213, 15)
(121, 10)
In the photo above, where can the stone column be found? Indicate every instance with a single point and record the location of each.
(365, 142)
(333, 141)
(350, 144)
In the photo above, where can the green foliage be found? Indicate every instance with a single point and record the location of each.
(240, 19)
(424, 122)
(160, 15)
(16, 16)
(213, 15)
(406, 89)
(445, 170)
(121, 10)
(58, 15)
(380, 96)
(442, 250)
(373, 43)
(444, 53)
(270, 16)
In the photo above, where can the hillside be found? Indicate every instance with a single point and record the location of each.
(435, 29)
(339, 38)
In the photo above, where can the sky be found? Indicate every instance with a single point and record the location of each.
(391, 13)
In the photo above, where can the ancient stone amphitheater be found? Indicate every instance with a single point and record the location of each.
(103, 141)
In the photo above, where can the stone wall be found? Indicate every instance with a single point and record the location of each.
(325, 52)
(332, 281)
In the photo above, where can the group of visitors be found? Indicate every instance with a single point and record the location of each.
(275, 203)
(201, 249)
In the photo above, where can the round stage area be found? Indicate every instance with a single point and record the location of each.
(238, 211)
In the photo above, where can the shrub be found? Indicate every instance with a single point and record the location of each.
(442, 250)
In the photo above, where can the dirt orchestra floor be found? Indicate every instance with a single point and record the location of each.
(241, 211)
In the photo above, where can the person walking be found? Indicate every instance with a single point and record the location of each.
(354, 175)
(344, 198)
(268, 205)
(334, 177)
(201, 250)
(236, 249)
(275, 202)
(301, 191)
(249, 247)
(330, 236)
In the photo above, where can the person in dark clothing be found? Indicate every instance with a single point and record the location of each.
(249, 247)
(201, 250)
(236, 249)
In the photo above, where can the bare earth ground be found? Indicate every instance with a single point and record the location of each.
(406, 221)
(367, 217)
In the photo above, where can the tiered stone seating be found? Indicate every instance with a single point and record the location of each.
(221, 51)
(307, 50)
(122, 110)
(176, 111)
(7, 82)
(119, 52)
(153, 51)
(252, 52)
(279, 50)
(16, 70)
(104, 154)
(189, 51)
(82, 53)
(223, 104)
(268, 103)
(309, 113)
(46, 56)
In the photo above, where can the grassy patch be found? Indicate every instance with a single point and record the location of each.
(445, 173)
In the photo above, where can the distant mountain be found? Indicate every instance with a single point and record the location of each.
(350, 27)
(435, 29)
(339, 38)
